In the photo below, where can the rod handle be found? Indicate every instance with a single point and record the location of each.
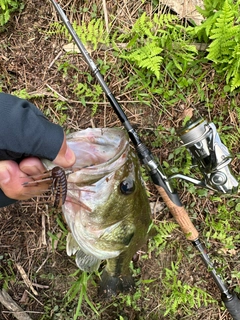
(232, 305)
(180, 214)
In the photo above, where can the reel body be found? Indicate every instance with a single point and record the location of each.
(211, 156)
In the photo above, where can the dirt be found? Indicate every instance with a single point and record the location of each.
(29, 56)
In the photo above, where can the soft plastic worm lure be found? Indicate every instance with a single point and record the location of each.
(57, 180)
(59, 186)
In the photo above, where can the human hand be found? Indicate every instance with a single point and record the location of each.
(25, 137)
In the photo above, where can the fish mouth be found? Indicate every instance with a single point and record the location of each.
(99, 151)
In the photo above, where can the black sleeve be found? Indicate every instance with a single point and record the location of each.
(25, 131)
(4, 200)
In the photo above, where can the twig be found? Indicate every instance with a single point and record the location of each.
(25, 278)
(44, 241)
(43, 263)
(105, 15)
(31, 295)
(92, 123)
(55, 59)
(59, 95)
(12, 306)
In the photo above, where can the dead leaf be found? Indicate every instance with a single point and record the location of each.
(187, 113)
(73, 48)
(186, 9)
(223, 250)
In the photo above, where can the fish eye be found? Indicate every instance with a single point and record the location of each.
(127, 186)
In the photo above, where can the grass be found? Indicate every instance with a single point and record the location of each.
(171, 282)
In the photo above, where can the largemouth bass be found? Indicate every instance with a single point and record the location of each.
(106, 208)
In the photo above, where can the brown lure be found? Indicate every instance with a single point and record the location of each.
(59, 186)
(57, 180)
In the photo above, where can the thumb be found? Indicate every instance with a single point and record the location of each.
(66, 157)
(5, 173)
(10, 178)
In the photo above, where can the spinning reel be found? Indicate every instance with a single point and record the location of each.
(210, 155)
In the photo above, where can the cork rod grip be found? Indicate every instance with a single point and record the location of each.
(180, 215)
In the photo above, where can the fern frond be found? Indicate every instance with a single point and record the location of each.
(164, 20)
(147, 27)
(204, 30)
(223, 29)
(235, 83)
(223, 35)
(210, 7)
(142, 27)
(224, 50)
(93, 32)
(154, 41)
(147, 57)
(233, 73)
(165, 229)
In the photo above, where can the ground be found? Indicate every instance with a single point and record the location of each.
(31, 236)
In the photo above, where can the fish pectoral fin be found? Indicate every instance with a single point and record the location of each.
(87, 262)
(72, 246)
(121, 233)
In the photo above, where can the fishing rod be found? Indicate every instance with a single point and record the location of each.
(204, 144)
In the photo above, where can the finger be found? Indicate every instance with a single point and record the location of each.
(66, 157)
(12, 179)
(32, 166)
